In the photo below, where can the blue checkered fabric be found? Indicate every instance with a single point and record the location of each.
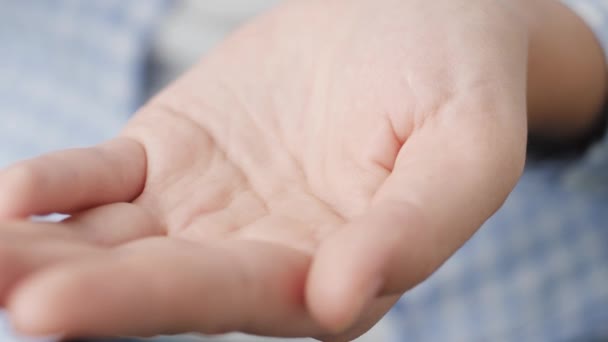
(538, 270)
(70, 71)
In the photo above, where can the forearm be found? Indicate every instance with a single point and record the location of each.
(567, 81)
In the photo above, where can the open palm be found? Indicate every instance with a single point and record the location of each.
(295, 183)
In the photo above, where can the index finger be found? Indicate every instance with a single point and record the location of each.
(73, 180)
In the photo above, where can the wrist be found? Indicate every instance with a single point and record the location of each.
(567, 77)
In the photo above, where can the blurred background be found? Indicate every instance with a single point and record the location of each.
(73, 71)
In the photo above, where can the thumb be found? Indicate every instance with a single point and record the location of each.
(353, 266)
(442, 188)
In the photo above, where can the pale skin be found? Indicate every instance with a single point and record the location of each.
(326, 158)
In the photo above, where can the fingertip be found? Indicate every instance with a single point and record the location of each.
(28, 317)
(338, 311)
(41, 306)
(338, 293)
(17, 184)
(329, 312)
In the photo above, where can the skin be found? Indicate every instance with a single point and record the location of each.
(323, 160)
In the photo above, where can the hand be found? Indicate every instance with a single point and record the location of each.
(322, 161)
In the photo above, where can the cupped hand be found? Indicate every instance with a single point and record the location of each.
(323, 160)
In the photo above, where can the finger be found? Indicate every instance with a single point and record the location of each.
(26, 248)
(439, 193)
(114, 224)
(73, 180)
(370, 318)
(105, 226)
(165, 286)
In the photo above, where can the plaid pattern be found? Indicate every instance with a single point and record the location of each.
(70, 72)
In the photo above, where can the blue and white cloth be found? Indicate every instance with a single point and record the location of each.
(70, 70)
(537, 271)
